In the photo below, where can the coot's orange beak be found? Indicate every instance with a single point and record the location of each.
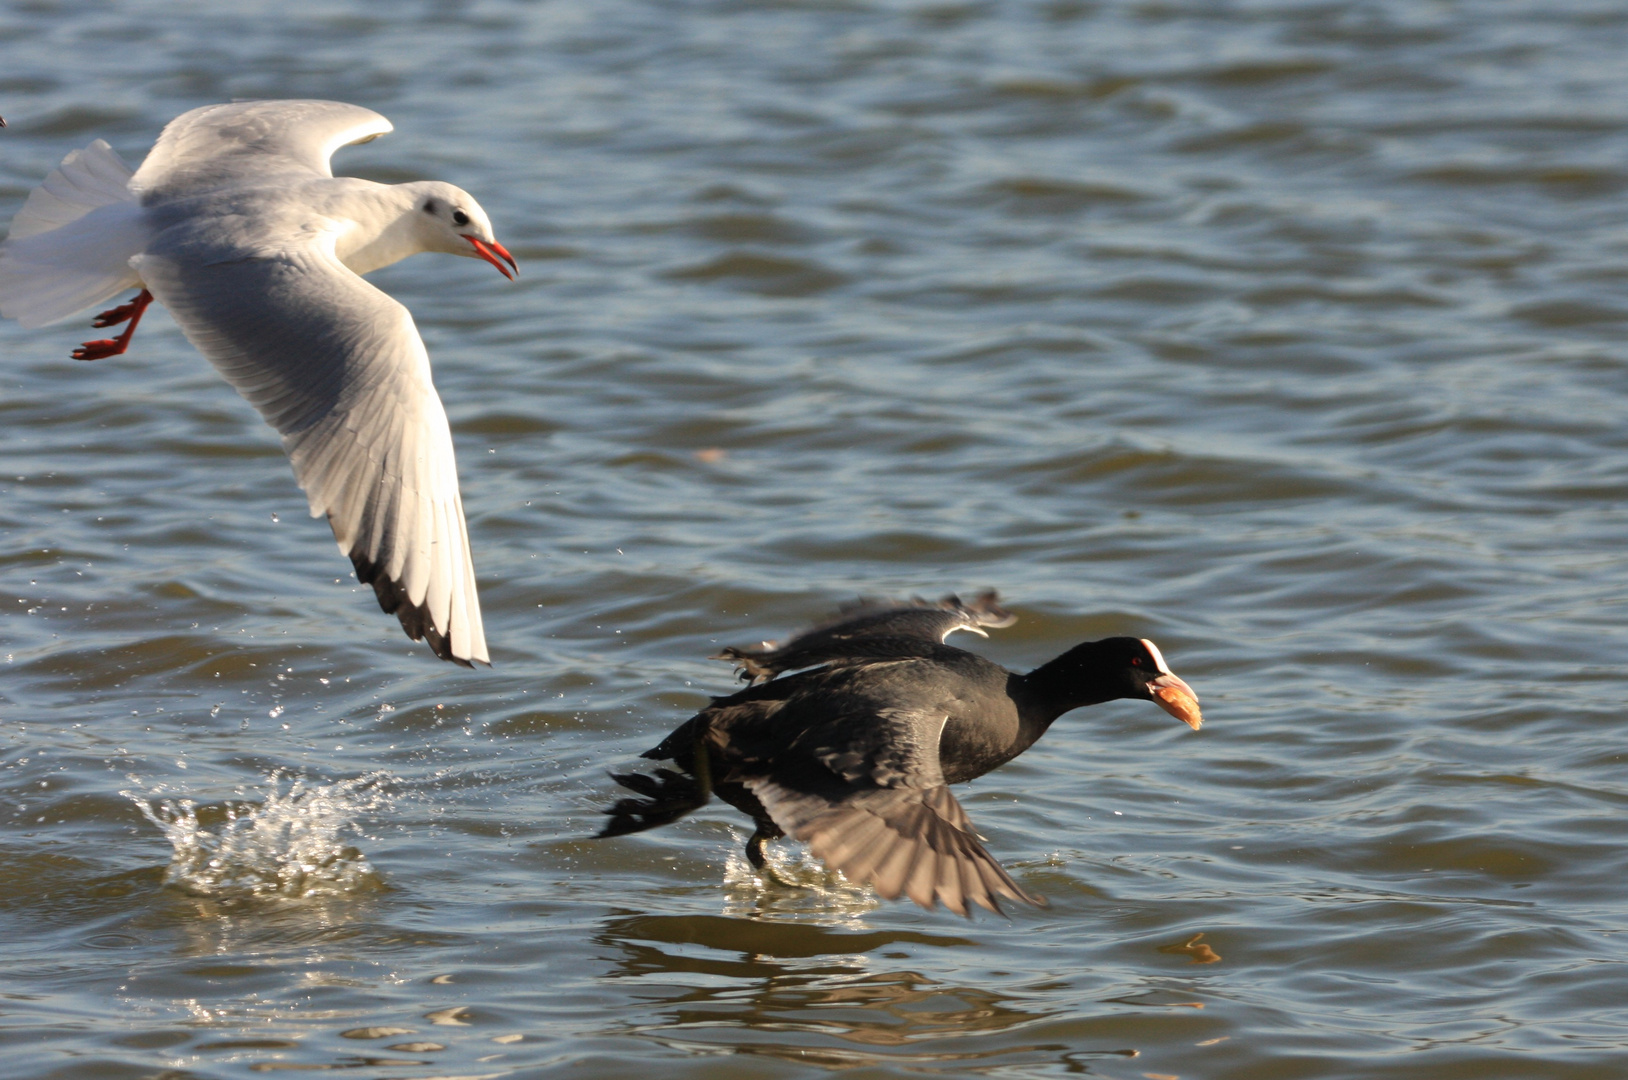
(1176, 698)
(492, 251)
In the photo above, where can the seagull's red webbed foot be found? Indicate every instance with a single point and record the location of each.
(132, 310)
(102, 348)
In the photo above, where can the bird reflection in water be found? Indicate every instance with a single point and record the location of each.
(804, 993)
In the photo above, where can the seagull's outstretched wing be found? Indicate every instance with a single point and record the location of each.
(338, 368)
(220, 144)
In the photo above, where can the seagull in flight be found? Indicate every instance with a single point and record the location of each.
(236, 224)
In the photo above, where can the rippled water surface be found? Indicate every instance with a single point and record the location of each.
(1290, 335)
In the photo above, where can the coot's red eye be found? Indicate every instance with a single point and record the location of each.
(1136, 661)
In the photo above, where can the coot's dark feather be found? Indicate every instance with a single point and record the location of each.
(854, 753)
(870, 630)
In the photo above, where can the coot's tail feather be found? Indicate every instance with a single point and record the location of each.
(668, 795)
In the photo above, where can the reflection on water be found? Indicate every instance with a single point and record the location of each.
(811, 994)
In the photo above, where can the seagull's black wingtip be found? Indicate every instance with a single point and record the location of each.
(415, 618)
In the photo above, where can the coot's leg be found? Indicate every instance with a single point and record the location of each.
(754, 846)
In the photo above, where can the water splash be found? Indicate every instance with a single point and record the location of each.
(793, 885)
(286, 844)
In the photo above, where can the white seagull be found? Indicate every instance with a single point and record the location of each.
(237, 225)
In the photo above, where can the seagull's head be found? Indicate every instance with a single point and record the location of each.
(450, 220)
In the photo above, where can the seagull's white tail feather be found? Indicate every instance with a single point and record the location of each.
(71, 243)
(86, 179)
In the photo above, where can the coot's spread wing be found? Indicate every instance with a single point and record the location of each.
(845, 757)
(863, 787)
(869, 630)
(899, 840)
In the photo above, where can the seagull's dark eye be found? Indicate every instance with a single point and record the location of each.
(460, 218)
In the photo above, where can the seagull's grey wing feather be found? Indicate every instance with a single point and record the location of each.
(338, 368)
(222, 144)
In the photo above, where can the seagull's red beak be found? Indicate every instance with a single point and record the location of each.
(492, 251)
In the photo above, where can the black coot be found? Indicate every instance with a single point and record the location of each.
(855, 752)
